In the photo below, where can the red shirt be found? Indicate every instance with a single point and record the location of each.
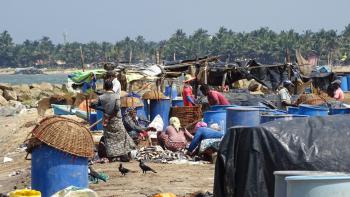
(216, 98)
(187, 91)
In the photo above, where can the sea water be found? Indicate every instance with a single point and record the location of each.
(30, 79)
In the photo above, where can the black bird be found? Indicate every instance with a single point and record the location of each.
(96, 175)
(123, 170)
(145, 168)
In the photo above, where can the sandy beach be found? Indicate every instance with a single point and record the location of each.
(181, 179)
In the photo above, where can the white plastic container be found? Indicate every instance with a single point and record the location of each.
(281, 184)
(318, 186)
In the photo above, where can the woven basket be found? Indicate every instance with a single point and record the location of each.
(131, 102)
(66, 135)
(153, 95)
(310, 99)
(187, 115)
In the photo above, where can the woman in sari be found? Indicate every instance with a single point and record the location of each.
(116, 140)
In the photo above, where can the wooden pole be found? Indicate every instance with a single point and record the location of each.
(130, 56)
(157, 57)
(87, 108)
(82, 58)
(206, 73)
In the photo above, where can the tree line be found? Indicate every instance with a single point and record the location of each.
(264, 45)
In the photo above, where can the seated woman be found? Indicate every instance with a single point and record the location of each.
(203, 132)
(133, 125)
(336, 91)
(174, 138)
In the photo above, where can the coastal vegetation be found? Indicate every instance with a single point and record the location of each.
(264, 45)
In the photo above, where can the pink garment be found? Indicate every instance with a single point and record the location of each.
(187, 91)
(200, 124)
(217, 98)
(339, 94)
(177, 136)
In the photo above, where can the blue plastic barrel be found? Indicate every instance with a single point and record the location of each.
(146, 108)
(167, 91)
(344, 83)
(54, 170)
(219, 117)
(242, 116)
(281, 184)
(293, 110)
(312, 110)
(171, 91)
(92, 120)
(161, 107)
(318, 186)
(177, 102)
(99, 116)
(220, 107)
(334, 111)
(272, 117)
(272, 111)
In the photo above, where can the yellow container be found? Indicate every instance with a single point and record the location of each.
(165, 195)
(25, 193)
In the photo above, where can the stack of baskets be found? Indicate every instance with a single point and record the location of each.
(66, 135)
(188, 116)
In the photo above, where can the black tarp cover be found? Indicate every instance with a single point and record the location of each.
(248, 157)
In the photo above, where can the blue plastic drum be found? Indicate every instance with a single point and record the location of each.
(312, 110)
(220, 107)
(293, 110)
(54, 170)
(242, 116)
(161, 107)
(344, 83)
(177, 102)
(269, 118)
(334, 111)
(219, 117)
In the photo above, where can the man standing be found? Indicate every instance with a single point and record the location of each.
(187, 94)
(214, 97)
(112, 75)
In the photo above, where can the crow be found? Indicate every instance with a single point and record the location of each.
(96, 175)
(123, 170)
(145, 168)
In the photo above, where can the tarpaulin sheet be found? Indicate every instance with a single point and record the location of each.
(248, 157)
(246, 99)
(85, 76)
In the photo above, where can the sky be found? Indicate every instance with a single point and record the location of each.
(113, 20)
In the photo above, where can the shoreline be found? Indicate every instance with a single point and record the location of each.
(7, 71)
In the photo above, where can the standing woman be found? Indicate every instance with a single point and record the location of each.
(187, 94)
(117, 142)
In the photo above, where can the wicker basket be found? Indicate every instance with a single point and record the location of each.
(66, 135)
(187, 115)
(153, 95)
(131, 102)
(310, 99)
